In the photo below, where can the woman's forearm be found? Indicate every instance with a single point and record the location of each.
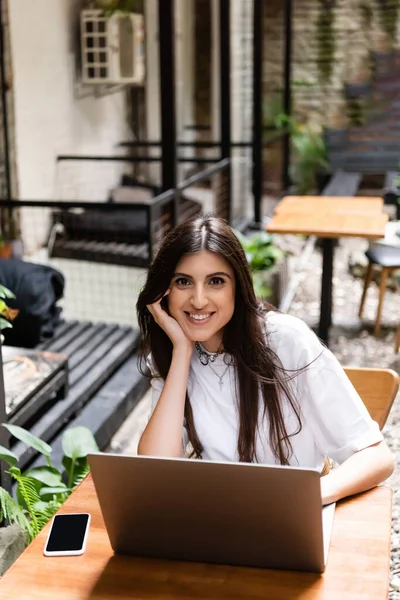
(362, 471)
(163, 434)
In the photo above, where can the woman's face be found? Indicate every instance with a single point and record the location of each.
(202, 297)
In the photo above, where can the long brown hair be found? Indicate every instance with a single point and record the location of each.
(258, 368)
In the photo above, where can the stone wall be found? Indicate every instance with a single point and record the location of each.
(354, 38)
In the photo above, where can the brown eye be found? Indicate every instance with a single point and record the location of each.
(182, 281)
(217, 281)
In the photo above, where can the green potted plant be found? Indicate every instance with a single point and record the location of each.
(266, 261)
(309, 153)
(274, 120)
(40, 491)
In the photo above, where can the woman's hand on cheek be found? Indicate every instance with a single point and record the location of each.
(170, 325)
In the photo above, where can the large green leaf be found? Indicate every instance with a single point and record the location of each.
(78, 442)
(261, 290)
(4, 324)
(51, 491)
(28, 438)
(5, 292)
(259, 239)
(40, 506)
(49, 476)
(9, 457)
(265, 258)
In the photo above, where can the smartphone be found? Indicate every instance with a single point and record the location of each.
(68, 534)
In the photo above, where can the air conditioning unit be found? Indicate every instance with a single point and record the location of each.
(112, 48)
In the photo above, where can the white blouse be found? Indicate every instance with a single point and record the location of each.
(335, 421)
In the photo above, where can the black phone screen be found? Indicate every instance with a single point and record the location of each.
(67, 533)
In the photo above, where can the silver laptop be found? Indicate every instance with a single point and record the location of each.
(230, 513)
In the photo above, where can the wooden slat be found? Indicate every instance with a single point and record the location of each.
(343, 183)
(378, 163)
(84, 339)
(108, 409)
(59, 332)
(71, 334)
(94, 360)
(59, 414)
(80, 354)
(390, 177)
(369, 146)
(39, 401)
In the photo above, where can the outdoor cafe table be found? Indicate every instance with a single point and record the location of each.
(329, 217)
(358, 564)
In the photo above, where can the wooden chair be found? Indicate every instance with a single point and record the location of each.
(377, 389)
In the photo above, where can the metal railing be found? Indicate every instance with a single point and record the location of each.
(72, 228)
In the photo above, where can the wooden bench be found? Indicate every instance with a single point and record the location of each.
(342, 183)
(124, 230)
(372, 156)
(104, 386)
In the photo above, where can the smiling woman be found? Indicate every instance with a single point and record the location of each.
(202, 297)
(281, 398)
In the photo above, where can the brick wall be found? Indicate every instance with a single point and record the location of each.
(320, 102)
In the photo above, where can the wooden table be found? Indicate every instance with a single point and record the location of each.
(358, 565)
(329, 217)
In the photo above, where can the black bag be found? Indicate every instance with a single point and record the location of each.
(37, 289)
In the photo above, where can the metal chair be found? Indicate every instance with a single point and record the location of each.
(388, 258)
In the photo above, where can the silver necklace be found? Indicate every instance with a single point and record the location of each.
(220, 377)
(206, 358)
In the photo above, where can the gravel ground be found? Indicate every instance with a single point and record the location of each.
(355, 345)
